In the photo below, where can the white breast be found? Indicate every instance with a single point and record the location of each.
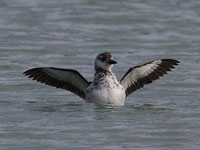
(106, 91)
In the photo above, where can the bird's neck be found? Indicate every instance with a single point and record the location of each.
(102, 71)
(102, 74)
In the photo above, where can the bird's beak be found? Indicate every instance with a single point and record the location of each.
(110, 61)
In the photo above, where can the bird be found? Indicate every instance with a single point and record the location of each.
(105, 89)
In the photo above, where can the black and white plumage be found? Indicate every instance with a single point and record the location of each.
(105, 88)
(136, 77)
(67, 79)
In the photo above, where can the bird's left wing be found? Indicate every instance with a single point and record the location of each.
(67, 79)
(136, 77)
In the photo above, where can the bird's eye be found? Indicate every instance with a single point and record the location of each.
(103, 59)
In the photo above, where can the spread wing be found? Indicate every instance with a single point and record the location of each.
(136, 77)
(68, 79)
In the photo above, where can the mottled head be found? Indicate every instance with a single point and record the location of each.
(104, 62)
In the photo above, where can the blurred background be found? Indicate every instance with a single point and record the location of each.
(69, 34)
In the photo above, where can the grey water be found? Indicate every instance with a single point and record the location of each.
(164, 115)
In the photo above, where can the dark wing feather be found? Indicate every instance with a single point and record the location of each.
(67, 79)
(136, 77)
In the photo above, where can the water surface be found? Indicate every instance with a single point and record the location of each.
(69, 34)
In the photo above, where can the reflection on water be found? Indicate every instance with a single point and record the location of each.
(148, 107)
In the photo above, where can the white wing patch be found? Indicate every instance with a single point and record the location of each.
(146, 69)
(67, 79)
(136, 77)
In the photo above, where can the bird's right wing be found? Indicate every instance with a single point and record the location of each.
(136, 77)
(67, 79)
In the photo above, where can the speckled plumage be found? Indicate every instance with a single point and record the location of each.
(105, 89)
